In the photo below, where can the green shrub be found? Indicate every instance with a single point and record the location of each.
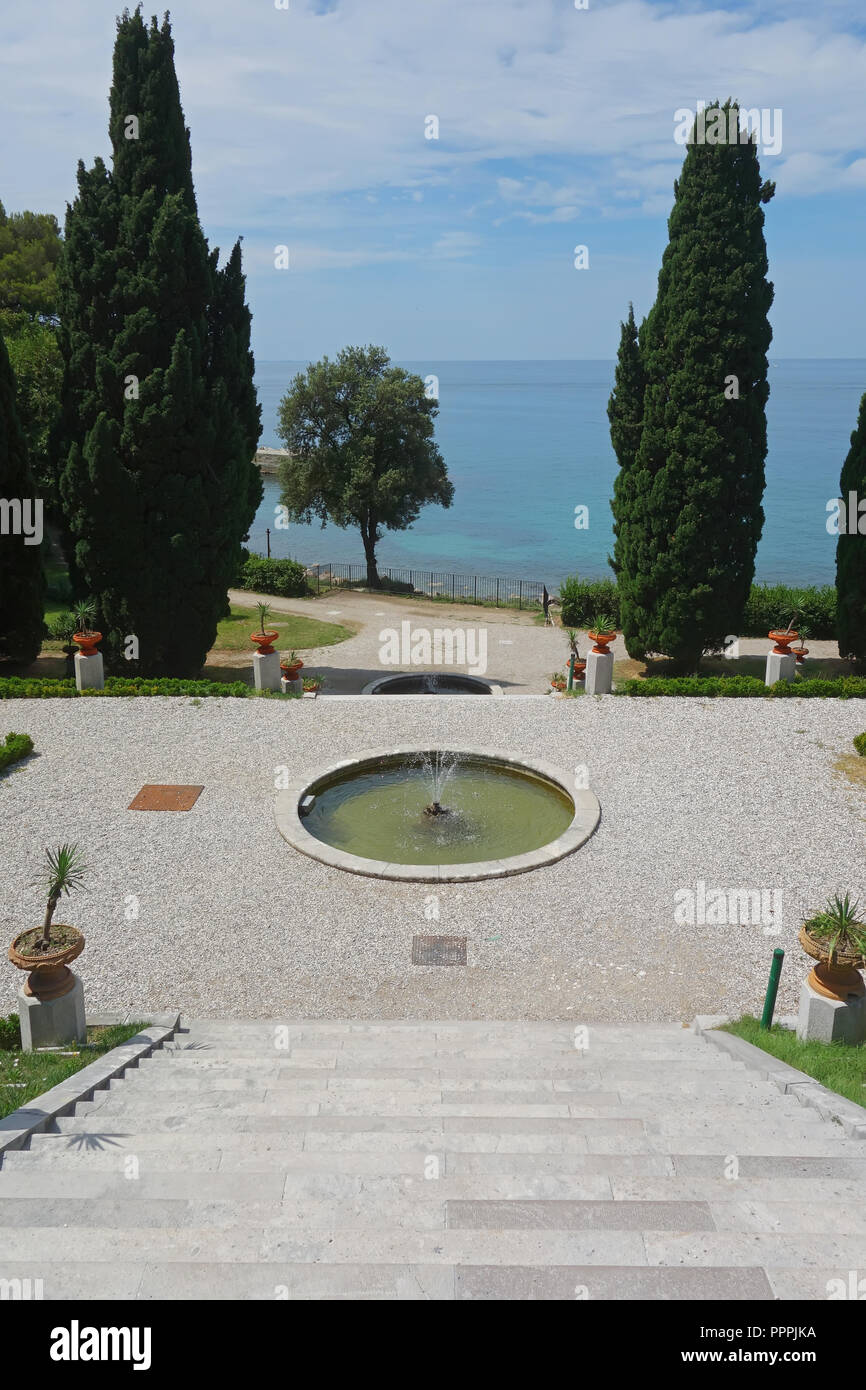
(768, 606)
(10, 1034)
(860, 744)
(739, 687)
(285, 578)
(16, 746)
(772, 604)
(30, 688)
(581, 600)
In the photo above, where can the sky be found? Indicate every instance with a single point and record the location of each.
(310, 119)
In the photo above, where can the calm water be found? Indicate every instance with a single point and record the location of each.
(527, 442)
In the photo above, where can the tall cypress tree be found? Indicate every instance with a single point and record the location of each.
(625, 413)
(22, 584)
(160, 419)
(851, 551)
(691, 516)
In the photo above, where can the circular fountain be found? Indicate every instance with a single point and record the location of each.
(430, 683)
(436, 815)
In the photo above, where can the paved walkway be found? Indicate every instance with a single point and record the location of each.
(441, 1161)
(521, 653)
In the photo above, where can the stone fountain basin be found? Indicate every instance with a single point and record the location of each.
(587, 813)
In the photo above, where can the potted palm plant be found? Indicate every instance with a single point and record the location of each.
(313, 684)
(836, 939)
(85, 635)
(291, 666)
(602, 632)
(265, 637)
(784, 637)
(557, 680)
(802, 651)
(577, 666)
(47, 950)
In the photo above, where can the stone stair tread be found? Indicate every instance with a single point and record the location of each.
(240, 1162)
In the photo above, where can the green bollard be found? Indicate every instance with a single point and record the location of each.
(772, 988)
(570, 672)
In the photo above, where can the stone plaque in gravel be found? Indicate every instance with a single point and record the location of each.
(438, 950)
(158, 798)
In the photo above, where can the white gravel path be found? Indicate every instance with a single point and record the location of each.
(232, 922)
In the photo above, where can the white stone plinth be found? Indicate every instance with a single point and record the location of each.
(50, 1022)
(89, 672)
(830, 1020)
(598, 677)
(266, 670)
(295, 687)
(780, 667)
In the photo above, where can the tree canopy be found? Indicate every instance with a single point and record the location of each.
(362, 453)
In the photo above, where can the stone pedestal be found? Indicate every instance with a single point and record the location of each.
(780, 667)
(598, 677)
(830, 1020)
(295, 687)
(89, 672)
(266, 670)
(50, 1022)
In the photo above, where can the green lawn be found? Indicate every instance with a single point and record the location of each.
(233, 634)
(838, 1066)
(26, 1075)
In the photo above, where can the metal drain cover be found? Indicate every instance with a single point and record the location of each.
(165, 798)
(438, 950)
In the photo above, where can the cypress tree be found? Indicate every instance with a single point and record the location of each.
(160, 420)
(625, 413)
(851, 550)
(22, 584)
(691, 517)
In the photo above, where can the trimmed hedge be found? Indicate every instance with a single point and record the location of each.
(860, 745)
(768, 606)
(739, 687)
(25, 688)
(285, 578)
(16, 746)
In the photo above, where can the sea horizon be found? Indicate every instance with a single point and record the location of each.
(525, 449)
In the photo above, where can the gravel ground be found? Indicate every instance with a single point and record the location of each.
(232, 922)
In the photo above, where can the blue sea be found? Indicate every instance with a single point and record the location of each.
(527, 442)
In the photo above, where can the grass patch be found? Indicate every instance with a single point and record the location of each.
(838, 1066)
(26, 1075)
(233, 633)
(15, 747)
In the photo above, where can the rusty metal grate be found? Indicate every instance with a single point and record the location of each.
(165, 798)
(438, 950)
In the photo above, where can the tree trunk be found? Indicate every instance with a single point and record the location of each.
(369, 537)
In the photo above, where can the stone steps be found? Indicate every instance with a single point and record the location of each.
(404, 1161)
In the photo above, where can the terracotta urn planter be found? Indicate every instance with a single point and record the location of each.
(292, 670)
(557, 685)
(579, 668)
(50, 976)
(837, 977)
(87, 641)
(783, 641)
(264, 641)
(602, 641)
(801, 653)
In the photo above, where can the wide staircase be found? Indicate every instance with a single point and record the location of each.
(485, 1160)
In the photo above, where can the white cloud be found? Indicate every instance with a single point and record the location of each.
(454, 245)
(304, 105)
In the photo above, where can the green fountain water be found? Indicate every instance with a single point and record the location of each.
(439, 809)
